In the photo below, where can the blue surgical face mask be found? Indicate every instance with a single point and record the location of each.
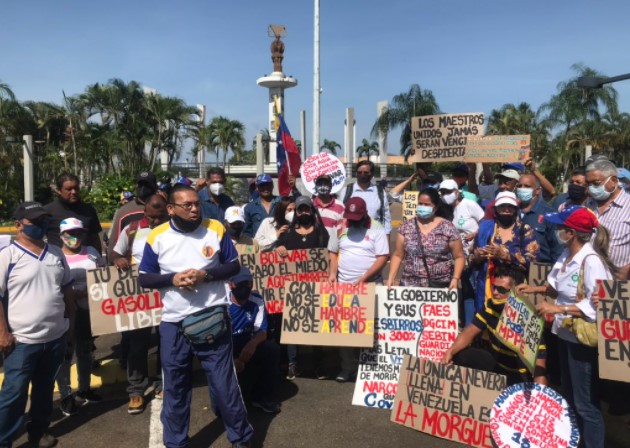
(599, 192)
(525, 194)
(424, 211)
(34, 232)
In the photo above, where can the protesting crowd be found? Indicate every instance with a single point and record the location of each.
(474, 233)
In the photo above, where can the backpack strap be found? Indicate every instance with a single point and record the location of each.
(381, 210)
(348, 195)
(581, 293)
(131, 235)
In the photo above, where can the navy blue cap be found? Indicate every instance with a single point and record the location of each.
(461, 168)
(243, 276)
(514, 166)
(263, 179)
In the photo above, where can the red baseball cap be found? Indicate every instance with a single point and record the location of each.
(575, 217)
(356, 209)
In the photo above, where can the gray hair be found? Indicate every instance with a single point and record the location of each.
(605, 166)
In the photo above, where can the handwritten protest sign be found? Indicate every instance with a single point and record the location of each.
(337, 314)
(410, 203)
(410, 321)
(272, 273)
(118, 303)
(520, 329)
(319, 164)
(497, 149)
(534, 416)
(443, 138)
(538, 274)
(446, 400)
(613, 321)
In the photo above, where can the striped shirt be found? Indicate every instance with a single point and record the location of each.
(507, 359)
(331, 213)
(616, 218)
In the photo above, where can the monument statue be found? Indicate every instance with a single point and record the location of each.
(277, 46)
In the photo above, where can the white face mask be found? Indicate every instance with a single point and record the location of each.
(216, 189)
(450, 198)
(289, 217)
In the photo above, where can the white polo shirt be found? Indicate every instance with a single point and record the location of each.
(358, 249)
(30, 288)
(169, 251)
(566, 282)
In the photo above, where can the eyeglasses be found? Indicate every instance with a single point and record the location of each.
(188, 205)
(501, 289)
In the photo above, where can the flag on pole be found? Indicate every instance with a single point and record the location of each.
(288, 155)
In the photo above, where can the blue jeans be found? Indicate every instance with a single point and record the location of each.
(580, 381)
(83, 349)
(38, 365)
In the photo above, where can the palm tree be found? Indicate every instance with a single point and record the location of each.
(367, 148)
(413, 103)
(225, 134)
(6, 92)
(330, 146)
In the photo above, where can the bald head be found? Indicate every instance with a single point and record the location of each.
(528, 181)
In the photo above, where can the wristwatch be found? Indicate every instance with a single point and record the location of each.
(208, 277)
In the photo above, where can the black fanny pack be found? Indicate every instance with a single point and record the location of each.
(205, 326)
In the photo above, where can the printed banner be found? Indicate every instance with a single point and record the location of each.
(613, 321)
(497, 149)
(329, 314)
(409, 321)
(410, 203)
(273, 273)
(319, 164)
(520, 329)
(538, 274)
(446, 400)
(443, 138)
(534, 416)
(118, 302)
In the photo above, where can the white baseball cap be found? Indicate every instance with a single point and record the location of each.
(506, 197)
(509, 174)
(449, 184)
(234, 213)
(70, 224)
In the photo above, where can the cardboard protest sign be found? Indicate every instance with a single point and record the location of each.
(446, 400)
(319, 164)
(410, 202)
(613, 322)
(337, 314)
(538, 273)
(273, 273)
(520, 329)
(410, 321)
(118, 303)
(497, 149)
(534, 416)
(443, 138)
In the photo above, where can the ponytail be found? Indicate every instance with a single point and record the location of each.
(601, 242)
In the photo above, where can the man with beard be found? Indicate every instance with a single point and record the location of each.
(146, 186)
(189, 259)
(358, 255)
(69, 205)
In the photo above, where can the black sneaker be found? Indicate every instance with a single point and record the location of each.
(68, 406)
(270, 407)
(292, 371)
(45, 441)
(87, 397)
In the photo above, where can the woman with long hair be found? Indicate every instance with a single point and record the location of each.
(271, 228)
(573, 283)
(428, 246)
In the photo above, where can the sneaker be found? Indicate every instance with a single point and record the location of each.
(68, 406)
(45, 441)
(87, 397)
(136, 405)
(270, 407)
(321, 374)
(343, 377)
(291, 372)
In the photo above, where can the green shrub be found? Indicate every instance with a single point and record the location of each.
(105, 195)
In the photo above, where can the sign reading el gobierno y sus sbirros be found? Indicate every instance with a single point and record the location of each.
(118, 303)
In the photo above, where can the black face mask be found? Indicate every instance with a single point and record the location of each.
(144, 192)
(577, 193)
(184, 225)
(305, 220)
(356, 224)
(506, 220)
(242, 292)
(235, 232)
(364, 178)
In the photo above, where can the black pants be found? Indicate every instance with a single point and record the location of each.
(261, 372)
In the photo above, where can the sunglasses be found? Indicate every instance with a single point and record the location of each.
(500, 289)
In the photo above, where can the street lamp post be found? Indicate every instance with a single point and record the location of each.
(597, 82)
